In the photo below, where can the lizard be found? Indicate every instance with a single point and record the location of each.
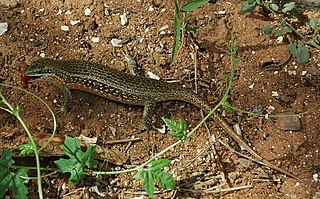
(131, 89)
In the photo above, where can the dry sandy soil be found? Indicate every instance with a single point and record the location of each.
(199, 167)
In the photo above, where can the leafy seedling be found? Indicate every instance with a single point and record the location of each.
(153, 173)
(78, 159)
(177, 129)
(180, 25)
(10, 179)
(298, 50)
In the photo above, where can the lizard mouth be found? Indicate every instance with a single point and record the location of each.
(26, 78)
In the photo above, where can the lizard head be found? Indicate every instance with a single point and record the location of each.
(40, 68)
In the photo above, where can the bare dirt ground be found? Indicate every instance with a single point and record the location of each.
(35, 31)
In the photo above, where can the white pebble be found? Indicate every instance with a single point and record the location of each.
(68, 12)
(65, 28)
(151, 9)
(251, 86)
(95, 39)
(292, 72)
(87, 11)
(59, 12)
(222, 12)
(280, 39)
(153, 76)
(116, 42)
(3, 28)
(42, 55)
(315, 177)
(163, 28)
(303, 72)
(72, 22)
(123, 19)
(275, 94)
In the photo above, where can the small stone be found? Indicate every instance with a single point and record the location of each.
(72, 22)
(106, 12)
(3, 28)
(315, 177)
(68, 12)
(116, 42)
(275, 94)
(123, 19)
(287, 121)
(95, 39)
(87, 11)
(153, 76)
(65, 28)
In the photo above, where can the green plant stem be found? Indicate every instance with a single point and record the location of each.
(312, 43)
(43, 102)
(232, 52)
(35, 148)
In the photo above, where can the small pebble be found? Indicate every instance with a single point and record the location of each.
(95, 39)
(68, 12)
(151, 9)
(65, 28)
(3, 28)
(116, 42)
(72, 22)
(123, 19)
(315, 177)
(87, 11)
(275, 94)
(153, 76)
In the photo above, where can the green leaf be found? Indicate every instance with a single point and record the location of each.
(300, 52)
(10, 180)
(176, 8)
(177, 129)
(165, 180)
(152, 173)
(193, 5)
(176, 36)
(313, 22)
(277, 33)
(78, 159)
(287, 28)
(267, 30)
(190, 29)
(274, 7)
(26, 148)
(148, 183)
(288, 7)
(159, 164)
(247, 6)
